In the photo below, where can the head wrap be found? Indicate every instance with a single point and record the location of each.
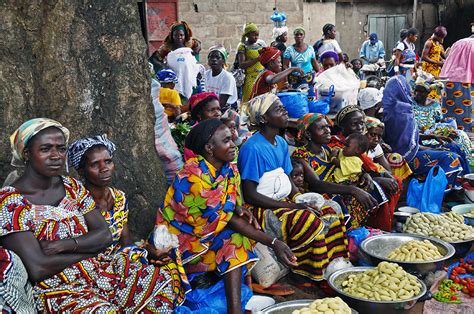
(268, 54)
(180, 25)
(167, 76)
(221, 49)
(299, 30)
(441, 31)
(344, 112)
(369, 97)
(201, 134)
(196, 102)
(371, 122)
(329, 54)
(248, 28)
(20, 138)
(305, 121)
(78, 148)
(278, 31)
(259, 105)
(373, 38)
(327, 28)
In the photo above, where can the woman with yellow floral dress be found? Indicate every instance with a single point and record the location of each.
(247, 54)
(433, 56)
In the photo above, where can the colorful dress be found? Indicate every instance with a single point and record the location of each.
(302, 229)
(106, 283)
(197, 208)
(252, 72)
(435, 54)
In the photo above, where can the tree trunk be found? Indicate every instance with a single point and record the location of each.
(84, 64)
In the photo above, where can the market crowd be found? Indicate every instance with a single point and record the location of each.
(241, 156)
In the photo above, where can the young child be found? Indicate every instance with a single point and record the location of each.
(169, 97)
(347, 161)
(297, 175)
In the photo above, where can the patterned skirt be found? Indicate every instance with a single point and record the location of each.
(314, 243)
(457, 104)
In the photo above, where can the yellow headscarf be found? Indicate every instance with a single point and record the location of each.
(259, 105)
(20, 138)
(248, 28)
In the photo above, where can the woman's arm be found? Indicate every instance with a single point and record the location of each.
(97, 239)
(383, 162)
(223, 98)
(252, 197)
(39, 265)
(426, 51)
(315, 65)
(243, 62)
(286, 63)
(278, 77)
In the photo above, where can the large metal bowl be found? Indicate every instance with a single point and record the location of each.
(376, 248)
(370, 306)
(289, 307)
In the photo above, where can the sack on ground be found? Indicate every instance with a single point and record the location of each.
(268, 270)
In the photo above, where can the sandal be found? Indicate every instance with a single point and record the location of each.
(275, 289)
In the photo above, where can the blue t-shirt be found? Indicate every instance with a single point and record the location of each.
(258, 156)
(300, 59)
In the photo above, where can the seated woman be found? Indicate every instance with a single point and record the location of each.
(432, 126)
(52, 223)
(314, 130)
(203, 208)
(404, 136)
(264, 163)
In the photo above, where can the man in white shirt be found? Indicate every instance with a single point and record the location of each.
(220, 81)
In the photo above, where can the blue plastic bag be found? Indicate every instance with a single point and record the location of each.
(211, 299)
(428, 196)
(296, 103)
(321, 106)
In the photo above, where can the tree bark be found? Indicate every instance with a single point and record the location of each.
(84, 64)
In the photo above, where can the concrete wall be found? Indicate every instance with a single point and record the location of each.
(352, 22)
(316, 15)
(221, 21)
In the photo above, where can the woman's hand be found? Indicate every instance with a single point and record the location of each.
(388, 184)
(247, 215)
(298, 70)
(365, 199)
(53, 247)
(366, 181)
(284, 254)
(443, 139)
(158, 257)
(297, 206)
(387, 149)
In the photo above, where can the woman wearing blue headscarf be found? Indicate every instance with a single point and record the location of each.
(403, 135)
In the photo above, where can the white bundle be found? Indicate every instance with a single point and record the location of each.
(163, 239)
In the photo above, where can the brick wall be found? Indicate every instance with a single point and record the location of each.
(221, 21)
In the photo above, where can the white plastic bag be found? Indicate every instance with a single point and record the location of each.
(163, 239)
(311, 199)
(268, 270)
(335, 265)
(345, 81)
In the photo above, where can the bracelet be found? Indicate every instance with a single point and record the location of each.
(274, 240)
(77, 245)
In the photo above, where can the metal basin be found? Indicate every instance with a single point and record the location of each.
(376, 248)
(289, 307)
(370, 306)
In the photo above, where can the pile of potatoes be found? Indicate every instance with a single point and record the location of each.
(415, 251)
(326, 306)
(386, 282)
(449, 227)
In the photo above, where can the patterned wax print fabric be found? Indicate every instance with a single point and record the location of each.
(300, 59)
(434, 54)
(106, 283)
(261, 85)
(457, 104)
(116, 218)
(197, 208)
(251, 73)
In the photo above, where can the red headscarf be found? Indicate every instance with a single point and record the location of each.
(268, 54)
(196, 100)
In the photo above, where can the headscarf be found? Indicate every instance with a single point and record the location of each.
(78, 148)
(278, 31)
(441, 31)
(268, 54)
(167, 76)
(201, 134)
(369, 97)
(373, 38)
(248, 28)
(181, 25)
(344, 112)
(371, 122)
(399, 119)
(259, 105)
(221, 49)
(305, 121)
(329, 54)
(327, 28)
(197, 100)
(299, 30)
(20, 138)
